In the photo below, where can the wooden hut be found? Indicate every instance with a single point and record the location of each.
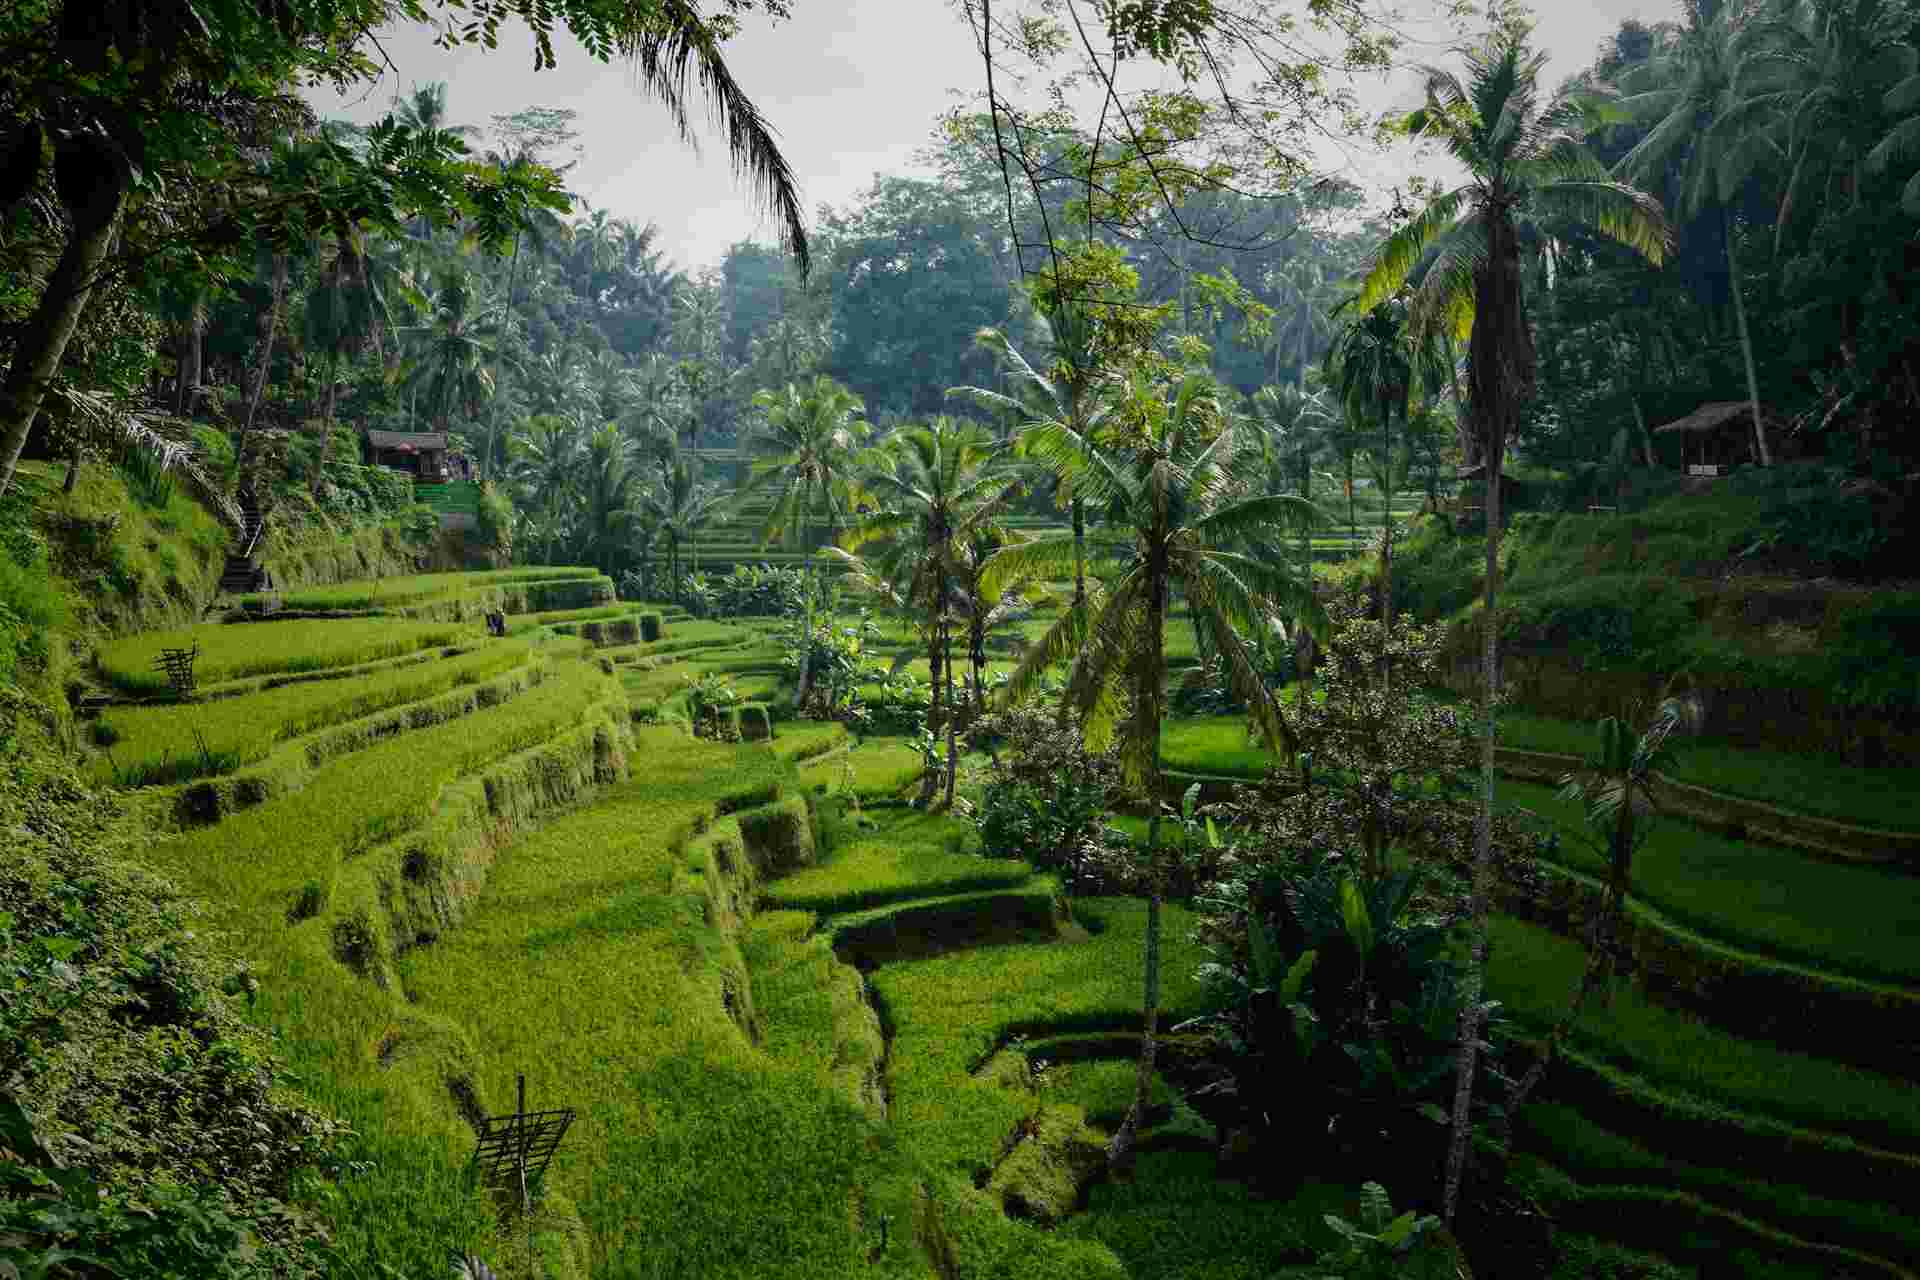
(421, 454)
(1717, 437)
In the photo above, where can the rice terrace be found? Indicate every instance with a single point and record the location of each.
(1120, 704)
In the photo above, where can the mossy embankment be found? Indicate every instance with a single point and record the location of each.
(1739, 585)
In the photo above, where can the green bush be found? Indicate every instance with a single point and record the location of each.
(650, 628)
(754, 724)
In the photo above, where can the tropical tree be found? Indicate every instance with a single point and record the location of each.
(1162, 479)
(609, 482)
(803, 449)
(1377, 368)
(1696, 118)
(654, 413)
(1292, 431)
(548, 459)
(1524, 161)
(678, 506)
(935, 487)
(459, 339)
(1299, 316)
(987, 607)
(1619, 786)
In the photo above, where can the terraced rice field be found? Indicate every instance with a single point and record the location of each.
(808, 1037)
(234, 652)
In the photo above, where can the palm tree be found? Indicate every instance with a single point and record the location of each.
(987, 607)
(1067, 395)
(1620, 787)
(678, 506)
(1693, 114)
(1301, 320)
(805, 446)
(1293, 430)
(1516, 155)
(1377, 367)
(550, 455)
(608, 489)
(655, 411)
(936, 487)
(1162, 478)
(462, 335)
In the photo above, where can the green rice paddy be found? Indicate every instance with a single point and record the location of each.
(233, 652)
(149, 742)
(543, 888)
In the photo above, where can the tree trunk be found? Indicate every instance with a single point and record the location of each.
(933, 697)
(953, 724)
(188, 346)
(1501, 377)
(1746, 340)
(269, 322)
(1120, 1151)
(1079, 555)
(43, 340)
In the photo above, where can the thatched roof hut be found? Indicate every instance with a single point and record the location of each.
(423, 453)
(1720, 434)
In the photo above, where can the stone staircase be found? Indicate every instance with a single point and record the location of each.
(243, 573)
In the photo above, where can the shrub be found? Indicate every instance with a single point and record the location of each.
(650, 628)
(754, 724)
(1339, 990)
(1046, 801)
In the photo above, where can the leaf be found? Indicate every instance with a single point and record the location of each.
(1297, 976)
(1213, 833)
(1399, 1230)
(1188, 800)
(1433, 1112)
(1265, 955)
(1353, 912)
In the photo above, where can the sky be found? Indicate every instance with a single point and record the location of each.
(853, 88)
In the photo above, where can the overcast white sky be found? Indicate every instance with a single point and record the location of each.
(854, 88)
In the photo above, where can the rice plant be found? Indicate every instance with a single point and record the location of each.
(156, 745)
(233, 652)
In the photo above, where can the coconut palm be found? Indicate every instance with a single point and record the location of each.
(1377, 368)
(987, 608)
(1620, 787)
(1162, 479)
(609, 486)
(654, 414)
(1066, 395)
(1293, 430)
(1693, 113)
(461, 337)
(549, 456)
(1517, 155)
(678, 505)
(803, 448)
(935, 487)
(1300, 320)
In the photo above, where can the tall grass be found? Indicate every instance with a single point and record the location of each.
(420, 588)
(232, 652)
